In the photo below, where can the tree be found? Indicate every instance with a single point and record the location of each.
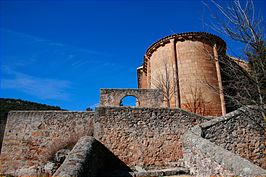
(242, 23)
(165, 80)
(194, 102)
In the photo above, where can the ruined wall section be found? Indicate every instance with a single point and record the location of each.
(32, 137)
(241, 132)
(145, 97)
(205, 158)
(146, 137)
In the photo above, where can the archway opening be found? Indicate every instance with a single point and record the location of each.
(129, 100)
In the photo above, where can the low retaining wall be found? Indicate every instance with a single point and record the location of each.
(241, 132)
(90, 158)
(146, 137)
(32, 137)
(204, 157)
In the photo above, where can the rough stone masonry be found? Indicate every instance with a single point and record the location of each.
(33, 137)
(149, 137)
(143, 136)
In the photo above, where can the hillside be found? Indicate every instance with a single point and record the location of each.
(7, 104)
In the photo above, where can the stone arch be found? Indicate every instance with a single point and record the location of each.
(145, 97)
(137, 103)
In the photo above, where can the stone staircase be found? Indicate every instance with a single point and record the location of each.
(163, 172)
(140, 172)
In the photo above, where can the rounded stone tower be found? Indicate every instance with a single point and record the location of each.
(185, 66)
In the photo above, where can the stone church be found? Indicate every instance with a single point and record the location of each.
(186, 67)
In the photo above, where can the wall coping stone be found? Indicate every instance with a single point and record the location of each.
(226, 117)
(100, 110)
(48, 111)
(73, 164)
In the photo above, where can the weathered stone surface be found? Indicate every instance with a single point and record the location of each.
(61, 155)
(90, 158)
(139, 169)
(163, 172)
(33, 137)
(50, 168)
(206, 158)
(241, 132)
(31, 171)
(144, 136)
(145, 97)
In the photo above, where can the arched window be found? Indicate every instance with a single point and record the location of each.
(129, 101)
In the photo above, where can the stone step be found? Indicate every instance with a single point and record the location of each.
(169, 172)
(177, 171)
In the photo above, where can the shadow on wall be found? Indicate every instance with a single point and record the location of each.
(91, 158)
(2, 129)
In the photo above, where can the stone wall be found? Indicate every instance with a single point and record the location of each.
(146, 137)
(204, 158)
(142, 78)
(228, 145)
(91, 158)
(241, 132)
(145, 97)
(32, 137)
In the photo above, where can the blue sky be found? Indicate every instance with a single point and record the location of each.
(62, 52)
